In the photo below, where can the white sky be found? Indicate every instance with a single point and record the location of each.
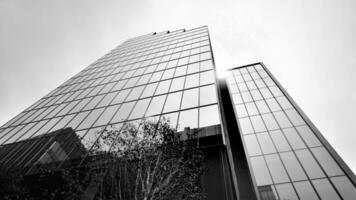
(309, 46)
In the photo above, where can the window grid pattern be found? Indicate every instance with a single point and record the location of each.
(167, 74)
(285, 154)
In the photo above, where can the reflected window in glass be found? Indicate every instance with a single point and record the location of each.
(188, 118)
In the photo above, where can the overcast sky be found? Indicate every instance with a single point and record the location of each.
(310, 46)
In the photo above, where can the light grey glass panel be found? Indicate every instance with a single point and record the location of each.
(207, 95)
(325, 190)
(237, 98)
(177, 84)
(276, 91)
(273, 105)
(262, 106)
(68, 108)
(63, 122)
(47, 126)
(241, 110)
(233, 88)
(284, 102)
(21, 132)
(206, 65)
(140, 109)
(208, 116)
(293, 167)
(246, 96)
(107, 115)
(188, 118)
(263, 74)
(173, 102)
(168, 74)
(163, 87)
(131, 82)
(280, 141)
(258, 124)
(295, 117)
(305, 190)
(33, 130)
(265, 93)
(91, 118)
(251, 108)
(121, 96)
(193, 68)
(242, 87)
(135, 93)
(156, 105)
(123, 112)
(256, 95)
(326, 161)
(80, 105)
(266, 143)
(260, 171)
(192, 81)
(282, 119)
(309, 138)
(269, 81)
(92, 104)
(309, 164)
(246, 126)
(260, 83)
(270, 121)
(190, 98)
(119, 85)
(144, 79)
(253, 148)
(251, 85)
(11, 134)
(294, 140)
(156, 76)
(247, 77)
(180, 71)
(286, 191)
(107, 99)
(345, 187)
(279, 175)
(149, 90)
(172, 118)
(207, 77)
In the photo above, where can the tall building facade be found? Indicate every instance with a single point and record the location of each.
(259, 144)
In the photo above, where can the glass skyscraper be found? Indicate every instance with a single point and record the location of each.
(259, 144)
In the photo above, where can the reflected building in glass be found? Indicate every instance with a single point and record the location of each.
(258, 144)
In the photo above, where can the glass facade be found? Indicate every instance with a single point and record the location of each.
(172, 75)
(285, 153)
(167, 74)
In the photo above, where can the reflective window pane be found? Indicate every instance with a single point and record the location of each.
(293, 167)
(305, 190)
(345, 187)
(156, 105)
(309, 164)
(208, 116)
(309, 138)
(325, 190)
(173, 102)
(326, 161)
(190, 98)
(260, 171)
(253, 148)
(140, 109)
(207, 95)
(279, 175)
(123, 112)
(266, 143)
(188, 118)
(280, 141)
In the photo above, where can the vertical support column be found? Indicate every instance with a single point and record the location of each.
(240, 170)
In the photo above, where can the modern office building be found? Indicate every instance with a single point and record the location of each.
(258, 143)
